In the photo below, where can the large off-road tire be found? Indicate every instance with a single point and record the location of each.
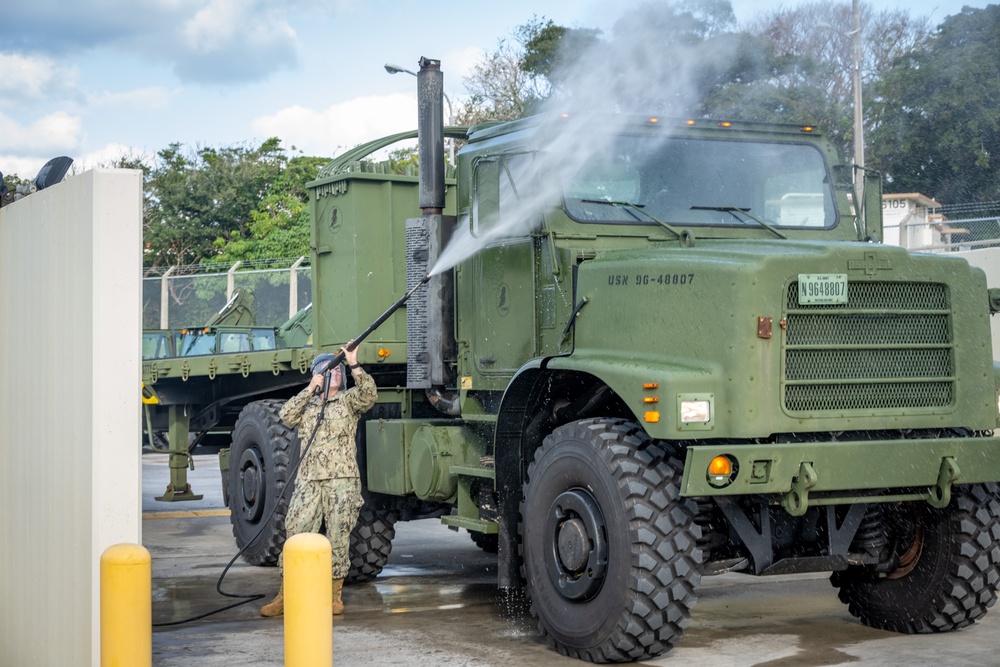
(949, 566)
(488, 542)
(262, 456)
(371, 542)
(609, 548)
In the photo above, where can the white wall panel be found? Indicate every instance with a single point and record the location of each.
(988, 259)
(70, 261)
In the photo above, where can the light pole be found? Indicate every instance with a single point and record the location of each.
(859, 126)
(396, 69)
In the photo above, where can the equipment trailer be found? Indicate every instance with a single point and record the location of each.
(685, 352)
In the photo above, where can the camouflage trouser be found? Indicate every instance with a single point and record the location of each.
(335, 502)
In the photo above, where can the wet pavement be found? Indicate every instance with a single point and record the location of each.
(436, 603)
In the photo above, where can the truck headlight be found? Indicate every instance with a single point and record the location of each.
(695, 412)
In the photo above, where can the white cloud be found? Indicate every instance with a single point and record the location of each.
(30, 78)
(23, 167)
(109, 154)
(58, 132)
(232, 40)
(223, 23)
(342, 126)
(150, 97)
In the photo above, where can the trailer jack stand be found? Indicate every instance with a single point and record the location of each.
(177, 447)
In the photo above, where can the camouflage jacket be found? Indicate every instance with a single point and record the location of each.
(333, 452)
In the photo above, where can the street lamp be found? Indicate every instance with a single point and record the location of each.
(396, 69)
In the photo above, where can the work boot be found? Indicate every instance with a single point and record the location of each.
(338, 604)
(275, 607)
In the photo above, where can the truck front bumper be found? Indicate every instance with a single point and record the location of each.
(824, 473)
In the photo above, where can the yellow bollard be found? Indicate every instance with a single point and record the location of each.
(126, 607)
(308, 601)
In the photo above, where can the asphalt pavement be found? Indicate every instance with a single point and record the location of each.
(436, 603)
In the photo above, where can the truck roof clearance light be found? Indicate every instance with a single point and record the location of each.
(653, 121)
(725, 123)
(806, 128)
(722, 471)
(689, 123)
(651, 385)
(652, 417)
(650, 399)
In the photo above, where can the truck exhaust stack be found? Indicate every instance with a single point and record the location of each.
(430, 135)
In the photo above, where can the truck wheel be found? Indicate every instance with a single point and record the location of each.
(949, 566)
(371, 542)
(609, 547)
(263, 453)
(488, 542)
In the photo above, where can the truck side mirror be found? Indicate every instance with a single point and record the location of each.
(871, 206)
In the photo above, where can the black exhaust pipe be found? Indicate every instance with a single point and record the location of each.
(430, 135)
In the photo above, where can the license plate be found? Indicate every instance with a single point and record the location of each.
(822, 288)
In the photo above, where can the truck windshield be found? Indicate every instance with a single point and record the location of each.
(713, 182)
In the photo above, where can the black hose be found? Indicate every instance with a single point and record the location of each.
(326, 371)
(246, 599)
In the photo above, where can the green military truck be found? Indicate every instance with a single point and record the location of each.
(649, 350)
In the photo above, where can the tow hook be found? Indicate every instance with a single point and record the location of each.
(796, 501)
(939, 495)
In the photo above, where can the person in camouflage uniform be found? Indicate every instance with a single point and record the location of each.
(328, 484)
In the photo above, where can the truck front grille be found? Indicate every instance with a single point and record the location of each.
(889, 347)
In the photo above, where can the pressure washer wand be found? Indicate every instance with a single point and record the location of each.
(339, 357)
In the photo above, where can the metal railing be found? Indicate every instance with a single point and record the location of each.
(951, 234)
(190, 296)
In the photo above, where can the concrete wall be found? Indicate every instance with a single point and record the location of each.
(988, 259)
(70, 257)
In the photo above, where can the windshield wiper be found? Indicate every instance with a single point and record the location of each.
(632, 209)
(733, 210)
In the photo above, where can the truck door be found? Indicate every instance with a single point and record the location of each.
(503, 216)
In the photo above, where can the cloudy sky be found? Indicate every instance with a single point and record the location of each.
(94, 79)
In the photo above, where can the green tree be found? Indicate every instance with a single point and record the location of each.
(813, 48)
(226, 204)
(939, 112)
(551, 51)
(279, 225)
(499, 87)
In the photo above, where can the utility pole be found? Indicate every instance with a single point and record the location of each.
(859, 127)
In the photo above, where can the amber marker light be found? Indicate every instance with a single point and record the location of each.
(651, 385)
(650, 399)
(652, 417)
(725, 123)
(720, 465)
(722, 471)
(689, 122)
(383, 353)
(807, 128)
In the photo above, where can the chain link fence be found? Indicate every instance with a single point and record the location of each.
(190, 296)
